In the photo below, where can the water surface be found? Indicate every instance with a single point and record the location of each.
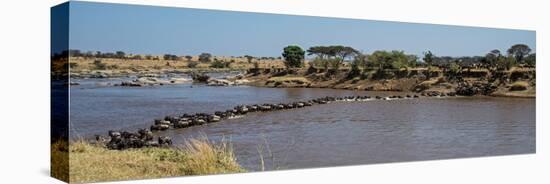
(324, 135)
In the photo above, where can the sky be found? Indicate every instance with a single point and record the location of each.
(163, 30)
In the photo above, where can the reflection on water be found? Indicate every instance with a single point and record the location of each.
(323, 135)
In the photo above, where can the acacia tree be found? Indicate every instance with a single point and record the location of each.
(382, 59)
(320, 51)
(519, 51)
(294, 55)
(205, 57)
(120, 54)
(339, 54)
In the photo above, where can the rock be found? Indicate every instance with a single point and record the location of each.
(179, 80)
(241, 81)
(202, 78)
(220, 82)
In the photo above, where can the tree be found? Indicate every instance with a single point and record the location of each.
(531, 60)
(412, 60)
(294, 55)
(428, 58)
(398, 59)
(338, 53)
(75, 53)
(217, 64)
(519, 51)
(492, 57)
(120, 54)
(249, 58)
(205, 57)
(382, 59)
(320, 51)
(355, 71)
(344, 52)
(170, 57)
(188, 57)
(505, 63)
(361, 60)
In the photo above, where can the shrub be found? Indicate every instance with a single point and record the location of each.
(113, 66)
(205, 57)
(192, 64)
(217, 64)
(99, 65)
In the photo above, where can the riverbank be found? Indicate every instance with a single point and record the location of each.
(93, 163)
(81, 67)
(517, 82)
(271, 73)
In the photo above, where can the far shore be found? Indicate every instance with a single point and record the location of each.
(516, 82)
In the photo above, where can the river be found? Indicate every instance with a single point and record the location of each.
(340, 133)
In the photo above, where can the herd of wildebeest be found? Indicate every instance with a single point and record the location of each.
(119, 140)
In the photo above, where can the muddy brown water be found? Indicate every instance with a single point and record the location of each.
(336, 134)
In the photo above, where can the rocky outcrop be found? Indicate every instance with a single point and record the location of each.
(227, 82)
(151, 81)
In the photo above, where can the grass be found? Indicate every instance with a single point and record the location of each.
(94, 163)
(428, 83)
(519, 86)
(288, 79)
(85, 64)
(60, 160)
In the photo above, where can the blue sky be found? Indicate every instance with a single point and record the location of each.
(181, 31)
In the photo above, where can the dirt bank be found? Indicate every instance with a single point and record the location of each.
(517, 82)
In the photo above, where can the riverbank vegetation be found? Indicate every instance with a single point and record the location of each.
(92, 162)
(344, 67)
(335, 66)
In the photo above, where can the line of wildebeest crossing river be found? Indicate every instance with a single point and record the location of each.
(120, 140)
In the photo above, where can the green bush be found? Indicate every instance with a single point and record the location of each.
(217, 64)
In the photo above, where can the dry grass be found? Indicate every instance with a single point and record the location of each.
(519, 86)
(60, 160)
(143, 64)
(93, 163)
(288, 79)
